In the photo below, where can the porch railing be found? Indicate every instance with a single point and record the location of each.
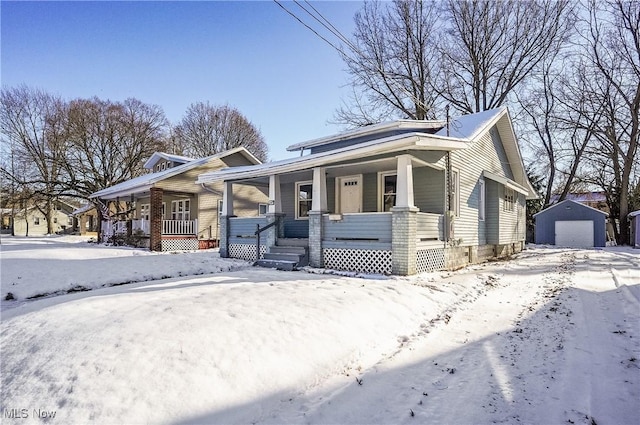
(361, 230)
(169, 227)
(430, 227)
(179, 227)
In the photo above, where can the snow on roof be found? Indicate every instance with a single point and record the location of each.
(634, 213)
(416, 125)
(168, 156)
(83, 209)
(468, 126)
(145, 182)
(387, 144)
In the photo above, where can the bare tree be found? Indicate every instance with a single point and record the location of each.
(391, 63)
(109, 142)
(612, 55)
(206, 130)
(32, 123)
(490, 47)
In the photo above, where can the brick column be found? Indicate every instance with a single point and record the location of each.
(272, 234)
(315, 239)
(224, 236)
(403, 240)
(155, 225)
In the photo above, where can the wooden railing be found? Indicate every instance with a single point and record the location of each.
(179, 227)
(430, 227)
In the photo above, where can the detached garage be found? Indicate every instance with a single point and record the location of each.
(571, 224)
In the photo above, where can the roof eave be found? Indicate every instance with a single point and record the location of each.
(420, 141)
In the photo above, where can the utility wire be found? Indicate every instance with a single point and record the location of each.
(333, 30)
(308, 27)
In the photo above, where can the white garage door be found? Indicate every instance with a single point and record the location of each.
(575, 234)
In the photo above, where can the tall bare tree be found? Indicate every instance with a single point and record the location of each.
(490, 47)
(391, 63)
(612, 56)
(32, 123)
(206, 130)
(109, 142)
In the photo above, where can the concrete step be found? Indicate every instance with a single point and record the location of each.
(286, 256)
(288, 250)
(276, 264)
(304, 242)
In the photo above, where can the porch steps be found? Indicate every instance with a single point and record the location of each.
(287, 257)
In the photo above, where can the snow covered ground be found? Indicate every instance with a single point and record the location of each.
(552, 336)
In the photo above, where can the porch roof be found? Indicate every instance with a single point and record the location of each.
(397, 143)
(146, 181)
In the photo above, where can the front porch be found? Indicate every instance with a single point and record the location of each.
(359, 217)
(176, 235)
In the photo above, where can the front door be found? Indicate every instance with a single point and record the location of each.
(350, 194)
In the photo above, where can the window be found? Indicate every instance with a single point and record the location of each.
(481, 200)
(55, 220)
(36, 221)
(145, 211)
(303, 204)
(388, 183)
(262, 209)
(70, 221)
(455, 192)
(180, 210)
(509, 198)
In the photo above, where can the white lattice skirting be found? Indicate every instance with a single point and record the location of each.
(245, 251)
(179, 244)
(428, 260)
(358, 260)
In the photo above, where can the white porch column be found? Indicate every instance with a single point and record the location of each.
(227, 212)
(318, 207)
(275, 201)
(227, 199)
(319, 191)
(404, 183)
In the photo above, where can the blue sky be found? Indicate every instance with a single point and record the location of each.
(250, 55)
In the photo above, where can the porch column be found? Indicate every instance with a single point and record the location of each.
(155, 225)
(404, 182)
(274, 212)
(318, 207)
(404, 220)
(227, 212)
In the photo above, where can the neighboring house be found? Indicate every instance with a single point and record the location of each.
(172, 210)
(88, 220)
(596, 200)
(634, 217)
(32, 221)
(571, 224)
(396, 198)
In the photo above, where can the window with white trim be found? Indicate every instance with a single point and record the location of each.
(180, 210)
(303, 200)
(481, 200)
(387, 189)
(145, 211)
(509, 199)
(262, 209)
(36, 221)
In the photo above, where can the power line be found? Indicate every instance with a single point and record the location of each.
(308, 27)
